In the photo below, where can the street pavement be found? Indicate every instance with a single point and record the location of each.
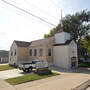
(67, 80)
(10, 73)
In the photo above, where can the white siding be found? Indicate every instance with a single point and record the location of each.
(13, 58)
(63, 55)
(61, 37)
(73, 51)
(61, 58)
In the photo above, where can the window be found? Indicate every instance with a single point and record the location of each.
(41, 51)
(49, 52)
(11, 53)
(15, 52)
(30, 52)
(10, 59)
(35, 52)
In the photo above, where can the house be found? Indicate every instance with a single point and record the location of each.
(4, 56)
(59, 51)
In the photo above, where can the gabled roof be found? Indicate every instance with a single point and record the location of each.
(42, 41)
(22, 43)
(66, 43)
(34, 43)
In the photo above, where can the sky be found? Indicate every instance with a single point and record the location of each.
(18, 25)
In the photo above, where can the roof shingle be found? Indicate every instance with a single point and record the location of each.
(66, 43)
(42, 41)
(22, 43)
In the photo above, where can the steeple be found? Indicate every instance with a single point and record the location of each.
(61, 29)
(61, 36)
(61, 19)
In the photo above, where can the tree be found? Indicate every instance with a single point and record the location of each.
(74, 24)
(86, 43)
(77, 25)
(52, 31)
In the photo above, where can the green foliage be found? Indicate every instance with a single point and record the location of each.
(77, 25)
(52, 31)
(28, 78)
(74, 24)
(89, 49)
(5, 67)
(87, 64)
(86, 43)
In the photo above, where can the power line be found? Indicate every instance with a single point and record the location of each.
(28, 12)
(40, 9)
(21, 14)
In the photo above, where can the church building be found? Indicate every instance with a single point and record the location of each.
(59, 50)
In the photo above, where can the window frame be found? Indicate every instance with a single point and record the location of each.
(49, 52)
(15, 53)
(41, 52)
(35, 52)
(30, 52)
(11, 53)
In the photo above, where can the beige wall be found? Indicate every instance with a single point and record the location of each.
(43, 57)
(73, 52)
(63, 54)
(60, 55)
(22, 55)
(45, 53)
(13, 58)
(49, 58)
(61, 58)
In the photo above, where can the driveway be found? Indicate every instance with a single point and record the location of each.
(66, 81)
(10, 73)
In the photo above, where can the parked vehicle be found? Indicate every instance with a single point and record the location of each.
(26, 67)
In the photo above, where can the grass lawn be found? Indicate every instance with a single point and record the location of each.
(5, 67)
(84, 65)
(28, 78)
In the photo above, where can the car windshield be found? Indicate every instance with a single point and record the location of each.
(34, 62)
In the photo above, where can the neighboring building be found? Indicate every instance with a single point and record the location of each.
(4, 56)
(59, 51)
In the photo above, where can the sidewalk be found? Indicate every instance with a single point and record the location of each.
(5, 86)
(65, 81)
(60, 82)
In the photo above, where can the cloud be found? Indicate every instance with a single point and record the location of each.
(16, 25)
